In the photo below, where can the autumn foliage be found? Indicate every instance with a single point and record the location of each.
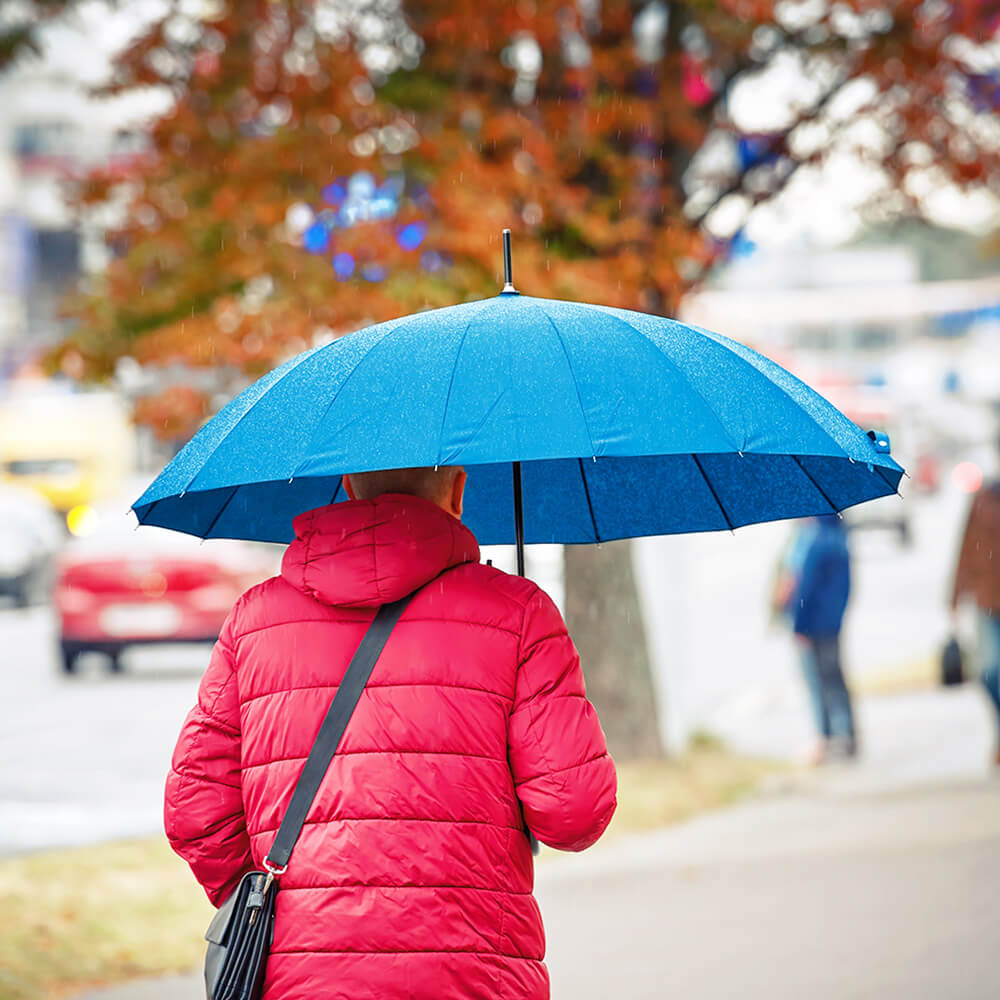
(581, 127)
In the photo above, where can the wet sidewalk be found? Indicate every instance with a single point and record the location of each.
(859, 882)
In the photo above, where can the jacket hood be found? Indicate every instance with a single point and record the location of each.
(364, 553)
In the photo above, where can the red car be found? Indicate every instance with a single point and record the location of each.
(118, 587)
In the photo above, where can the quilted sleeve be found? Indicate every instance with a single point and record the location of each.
(203, 809)
(564, 776)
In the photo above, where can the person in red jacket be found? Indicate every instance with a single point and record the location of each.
(413, 874)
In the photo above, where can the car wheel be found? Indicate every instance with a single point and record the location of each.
(69, 654)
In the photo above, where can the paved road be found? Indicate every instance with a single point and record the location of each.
(83, 759)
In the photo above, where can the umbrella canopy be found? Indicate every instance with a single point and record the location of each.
(625, 424)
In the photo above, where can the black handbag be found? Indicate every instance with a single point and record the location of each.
(952, 667)
(239, 936)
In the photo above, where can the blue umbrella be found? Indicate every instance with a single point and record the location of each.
(577, 423)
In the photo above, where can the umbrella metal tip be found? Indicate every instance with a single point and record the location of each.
(508, 277)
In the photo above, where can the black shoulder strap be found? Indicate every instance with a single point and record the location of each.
(332, 730)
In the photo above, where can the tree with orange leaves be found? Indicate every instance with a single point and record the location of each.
(584, 128)
(602, 133)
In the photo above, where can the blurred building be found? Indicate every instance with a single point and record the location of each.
(848, 305)
(53, 130)
(910, 321)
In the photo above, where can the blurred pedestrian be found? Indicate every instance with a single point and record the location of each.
(413, 874)
(977, 576)
(813, 588)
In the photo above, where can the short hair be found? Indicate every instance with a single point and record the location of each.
(425, 481)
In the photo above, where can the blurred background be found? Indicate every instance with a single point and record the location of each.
(193, 192)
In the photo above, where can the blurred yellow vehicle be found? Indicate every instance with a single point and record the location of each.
(74, 449)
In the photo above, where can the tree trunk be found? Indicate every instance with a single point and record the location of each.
(605, 620)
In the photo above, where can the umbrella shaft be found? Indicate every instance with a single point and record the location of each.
(519, 518)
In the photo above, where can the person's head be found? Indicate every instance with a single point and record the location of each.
(444, 485)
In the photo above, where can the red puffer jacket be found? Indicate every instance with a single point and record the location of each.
(413, 876)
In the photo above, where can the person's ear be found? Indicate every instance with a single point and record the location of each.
(348, 488)
(457, 494)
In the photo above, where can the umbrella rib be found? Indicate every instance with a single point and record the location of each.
(215, 520)
(735, 348)
(819, 489)
(590, 505)
(336, 395)
(715, 496)
(885, 479)
(149, 510)
(572, 375)
(724, 342)
(451, 383)
(677, 370)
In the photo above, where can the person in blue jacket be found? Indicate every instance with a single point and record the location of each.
(818, 584)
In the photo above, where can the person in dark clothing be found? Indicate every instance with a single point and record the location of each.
(817, 584)
(977, 577)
